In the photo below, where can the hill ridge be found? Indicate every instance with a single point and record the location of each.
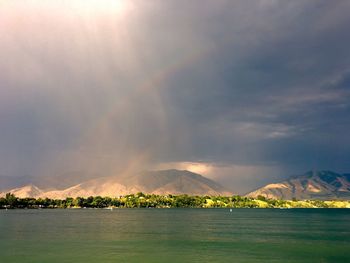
(161, 182)
(323, 184)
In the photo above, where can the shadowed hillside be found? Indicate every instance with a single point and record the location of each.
(323, 185)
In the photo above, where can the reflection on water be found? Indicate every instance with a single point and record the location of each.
(175, 235)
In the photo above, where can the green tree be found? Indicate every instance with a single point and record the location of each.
(11, 200)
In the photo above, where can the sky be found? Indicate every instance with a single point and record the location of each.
(243, 92)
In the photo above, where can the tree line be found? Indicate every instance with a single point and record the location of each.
(141, 200)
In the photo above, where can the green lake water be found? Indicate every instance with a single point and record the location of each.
(175, 235)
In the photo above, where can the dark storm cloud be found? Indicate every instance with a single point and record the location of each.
(251, 83)
(278, 80)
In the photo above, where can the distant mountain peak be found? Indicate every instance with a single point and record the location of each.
(29, 190)
(323, 184)
(160, 182)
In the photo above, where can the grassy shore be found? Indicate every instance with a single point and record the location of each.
(141, 200)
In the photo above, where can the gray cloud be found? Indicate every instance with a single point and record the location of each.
(112, 88)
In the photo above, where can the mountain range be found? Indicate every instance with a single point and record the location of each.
(322, 185)
(151, 182)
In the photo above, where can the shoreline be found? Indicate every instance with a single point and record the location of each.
(141, 200)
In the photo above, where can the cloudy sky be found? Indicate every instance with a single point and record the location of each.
(245, 92)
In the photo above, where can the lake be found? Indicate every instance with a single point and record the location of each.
(175, 235)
